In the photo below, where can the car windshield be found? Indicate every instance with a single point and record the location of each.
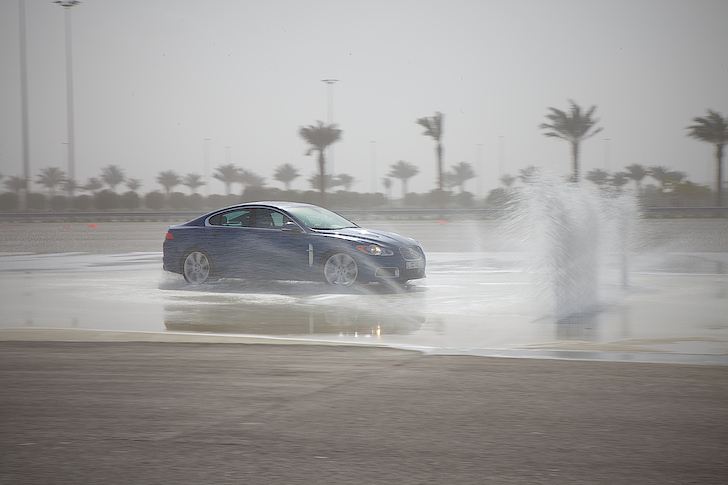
(320, 218)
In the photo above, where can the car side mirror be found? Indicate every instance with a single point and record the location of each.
(291, 227)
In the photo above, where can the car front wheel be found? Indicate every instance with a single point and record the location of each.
(340, 269)
(197, 268)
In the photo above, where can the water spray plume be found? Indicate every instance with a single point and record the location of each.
(569, 230)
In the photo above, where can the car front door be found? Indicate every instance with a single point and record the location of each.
(283, 254)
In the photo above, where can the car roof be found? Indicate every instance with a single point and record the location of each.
(266, 203)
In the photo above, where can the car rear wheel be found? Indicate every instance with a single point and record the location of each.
(197, 268)
(340, 269)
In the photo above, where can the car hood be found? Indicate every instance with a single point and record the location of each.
(371, 236)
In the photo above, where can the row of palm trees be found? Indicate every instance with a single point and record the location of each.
(577, 126)
(574, 126)
(667, 178)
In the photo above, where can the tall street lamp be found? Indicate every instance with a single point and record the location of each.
(67, 4)
(330, 109)
(23, 202)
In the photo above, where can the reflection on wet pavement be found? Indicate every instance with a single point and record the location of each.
(472, 303)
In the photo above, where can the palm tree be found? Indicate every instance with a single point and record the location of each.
(227, 174)
(319, 137)
(387, 182)
(666, 177)
(133, 184)
(529, 174)
(192, 180)
(286, 173)
(112, 176)
(433, 129)
(168, 179)
(15, 184)
(329, 181)
(637, 173)
(70, 186)
(346, 180)
(247, 178)
(573, 127)
(508, 180)
(713, 129)
(597, 176)
(620, 179)
(50, 178)
(404, 171)
(93, 185)
(461, 173)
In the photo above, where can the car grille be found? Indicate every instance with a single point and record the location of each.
(410, 253)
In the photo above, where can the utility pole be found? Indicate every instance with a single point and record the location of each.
(330, 112)
(23, 193)
(67, 4)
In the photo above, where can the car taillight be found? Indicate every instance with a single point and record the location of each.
(168, 235)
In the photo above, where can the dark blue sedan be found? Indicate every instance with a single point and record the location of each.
(288, 241)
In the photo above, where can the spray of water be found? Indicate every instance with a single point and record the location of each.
(570, 230)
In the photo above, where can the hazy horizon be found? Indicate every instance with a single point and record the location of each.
(153, 79)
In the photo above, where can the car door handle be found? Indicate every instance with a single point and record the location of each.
(215, 234)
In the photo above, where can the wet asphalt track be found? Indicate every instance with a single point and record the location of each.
(144, 412)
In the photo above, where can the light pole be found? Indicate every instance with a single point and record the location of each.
(373, 153)
(607, 155)
(501, 156)
(206, 164)
(67, 4)
(330, 110)
(23, 202)
(479, 165)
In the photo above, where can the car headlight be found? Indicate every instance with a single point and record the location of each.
(375, 250)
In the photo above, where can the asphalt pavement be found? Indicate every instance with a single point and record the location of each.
(129, 412)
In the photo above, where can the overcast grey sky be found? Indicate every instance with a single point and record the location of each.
(153, 78)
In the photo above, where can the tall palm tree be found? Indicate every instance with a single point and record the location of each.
(286, 173)
(112, 176)
(573, 127)
(168, 179)
(433, 129)
(461, 173)
(50, 178)
(404, 171)
(319, 137)
(713, 129)
(192, 180)
(227, 174)
(15, 184)
(637, 172)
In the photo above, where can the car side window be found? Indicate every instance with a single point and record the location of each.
(269, 219)
(235, 218)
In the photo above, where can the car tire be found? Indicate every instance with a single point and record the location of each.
(340, 269)
(197, 267)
